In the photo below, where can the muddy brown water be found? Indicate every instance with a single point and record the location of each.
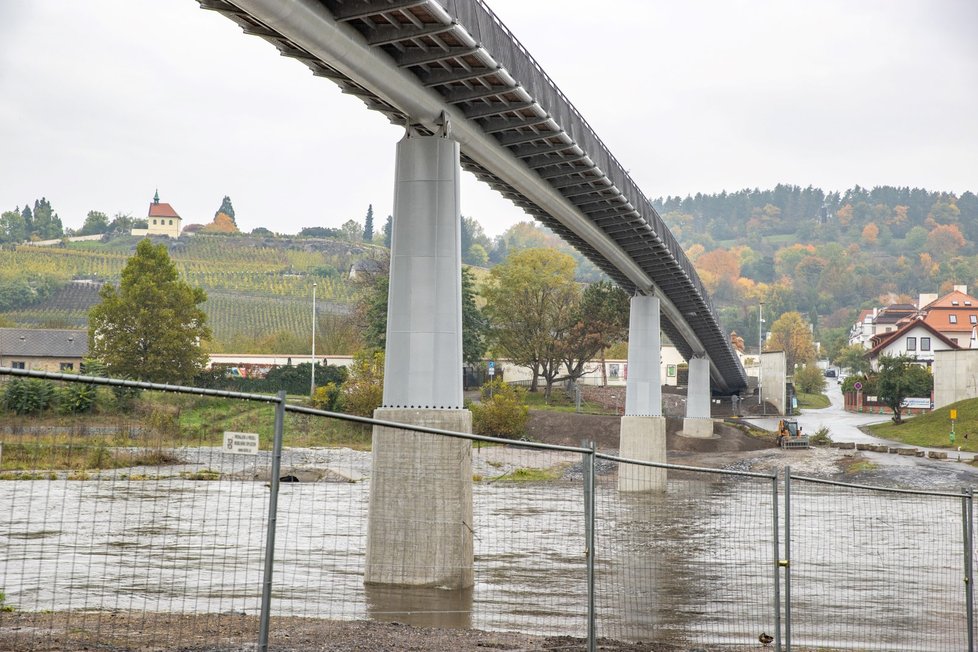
(869, 571)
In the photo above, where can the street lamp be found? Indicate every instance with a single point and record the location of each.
(312, 375)
(760, 346)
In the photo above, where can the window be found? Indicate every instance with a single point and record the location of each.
(670, 371)
(613, 370)
(171, 222)
(16, 365)
(974, 319)
(154, 221)
(67, 366)
(925, 344)
(954, 303)
(911, 344)
(953, 319)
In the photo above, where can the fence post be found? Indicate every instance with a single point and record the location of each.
(266, 591)
(776, 526)
(787, 558)
(967, 522)
(589, 543)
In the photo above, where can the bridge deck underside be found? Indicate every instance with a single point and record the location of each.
(461, 51)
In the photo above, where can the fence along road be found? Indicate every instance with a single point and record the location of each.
(722, 557)
(428, 64)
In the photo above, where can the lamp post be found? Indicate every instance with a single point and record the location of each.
(312, 374)
(760, 346)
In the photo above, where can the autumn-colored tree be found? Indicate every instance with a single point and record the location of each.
(531, 302)
(871, 233)
(792, 335)
(737, 341)
(719, 270)
(945, 241)
(223, 223)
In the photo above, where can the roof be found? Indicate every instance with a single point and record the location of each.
(162, 210)
(43, 343)
(889, 338)
(953, 300)
(894, 313)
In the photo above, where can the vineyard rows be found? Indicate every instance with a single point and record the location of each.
(252, 290)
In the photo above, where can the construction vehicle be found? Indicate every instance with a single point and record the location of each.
(789, 435)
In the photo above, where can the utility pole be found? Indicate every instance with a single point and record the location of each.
(312, 375)
(760, 346)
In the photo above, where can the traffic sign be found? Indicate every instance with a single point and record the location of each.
(492, 368)
(857, 385)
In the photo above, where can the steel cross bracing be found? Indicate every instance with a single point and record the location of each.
(424, 62)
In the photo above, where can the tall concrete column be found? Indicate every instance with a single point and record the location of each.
(643, 428)
(698, 422)
(419, 529)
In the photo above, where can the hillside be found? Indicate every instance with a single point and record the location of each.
(256, 286)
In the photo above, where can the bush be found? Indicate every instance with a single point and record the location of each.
(364, 391)
(820, 438)
(810, 380)
(502, 412)
(76, 398)
(326, 397)
(29, 396)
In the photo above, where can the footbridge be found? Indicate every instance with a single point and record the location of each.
(451, 65)
(470, 96)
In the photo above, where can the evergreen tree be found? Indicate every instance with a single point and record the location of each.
(368, 225)
(151, 327)
(388, 226)
(227, 209)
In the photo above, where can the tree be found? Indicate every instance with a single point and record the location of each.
(531, 302)
(474, 325)
(810, 380)
(368, 224)
(791, 334)
(223, 223)
(388, 229)
(900, 378)
(363, 392)
(121, 224)
(853, 358)
(13, 227)
(601, 320)
(151, 327)
(351, 230)
(944, 241)
(227, 209)
(46, 223)
(95, 222)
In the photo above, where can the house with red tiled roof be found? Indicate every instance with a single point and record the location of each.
(878, 322)
(915, 338)
(955, 315)
(161, 220)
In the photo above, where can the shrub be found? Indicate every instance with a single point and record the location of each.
(76, 398)
(364, 391)
(820, 438)
(810, 380)
(326, 397)
(28, 396)
(502, 412)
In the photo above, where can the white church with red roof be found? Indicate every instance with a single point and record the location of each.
(161, 220)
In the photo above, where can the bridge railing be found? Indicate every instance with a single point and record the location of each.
(160, 536)
(476, 17)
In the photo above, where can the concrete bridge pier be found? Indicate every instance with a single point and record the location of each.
(419, 527)
(643, 428)
(697, 422)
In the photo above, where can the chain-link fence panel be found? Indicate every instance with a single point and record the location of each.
(876, 569)
(693, 565)
(129, 542)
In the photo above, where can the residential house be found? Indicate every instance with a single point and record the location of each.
(955, 316)
(161, 220)
(915, 338)
(880, 321)
(43, 349)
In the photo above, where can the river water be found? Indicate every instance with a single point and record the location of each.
(869, 570)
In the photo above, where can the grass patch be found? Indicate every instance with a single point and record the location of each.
(524, 474)
(933, 429)
(203, 474)
(560, 402)
(813, 401)
(860, 466)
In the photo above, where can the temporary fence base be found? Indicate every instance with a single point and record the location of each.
(419, 530)
(643, 439)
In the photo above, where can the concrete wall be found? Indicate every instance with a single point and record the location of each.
(955, 376)
(773, 379)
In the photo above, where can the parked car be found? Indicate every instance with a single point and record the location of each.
(830, 373)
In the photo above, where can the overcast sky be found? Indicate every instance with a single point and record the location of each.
(104, 101)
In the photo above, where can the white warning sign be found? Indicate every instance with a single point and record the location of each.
(242, 443)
